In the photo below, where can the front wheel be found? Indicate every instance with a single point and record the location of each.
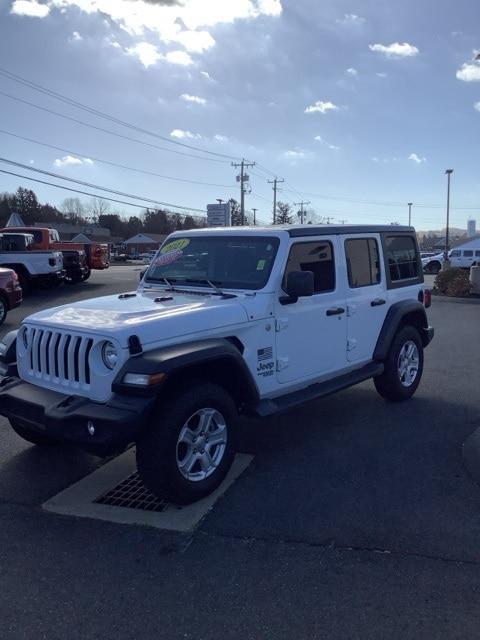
(86, 275)
(403, 366)
(3, 309)
(190, 444)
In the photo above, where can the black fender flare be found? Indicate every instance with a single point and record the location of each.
(393, 321)
(190, 356)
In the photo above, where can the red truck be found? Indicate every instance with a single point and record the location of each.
(10, 292)
(98, 254)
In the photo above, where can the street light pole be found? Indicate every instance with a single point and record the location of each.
(447, 230)
(410, 214)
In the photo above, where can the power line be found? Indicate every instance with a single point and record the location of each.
(101, 114)
(95, 186)
(109, 131)
(113, 164)
(85, 193)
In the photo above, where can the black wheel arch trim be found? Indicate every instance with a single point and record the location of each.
(181, 358)
(393, 321)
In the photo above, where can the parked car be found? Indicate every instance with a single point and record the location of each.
(464, 258)
(148, 257)
(433, 264)
(10, 292)
(120, 257)
(252, 321)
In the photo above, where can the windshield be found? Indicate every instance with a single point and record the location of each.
(230, 262)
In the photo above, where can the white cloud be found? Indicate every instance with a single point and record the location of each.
(333, 147)
(293, 156)
(469, 72)
(476, 106)
(147, 53)
(186, 97)
(351, 20)
(185, 23)
(220, 138)
(381, 74)
(31, 8)
(207, 76)
(179, 57)
(395, 50)
(321, 107)
(351, 71)
(76, 36)
(182, 135)
(72, 160)
(417, 159)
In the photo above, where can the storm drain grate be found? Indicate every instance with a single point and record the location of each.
(132, 494)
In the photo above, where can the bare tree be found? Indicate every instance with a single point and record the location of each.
(98, 207)
(73, 209)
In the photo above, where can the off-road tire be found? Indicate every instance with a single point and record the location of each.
(31, 436)
(389, 384)
(157, 448)
(3, 308)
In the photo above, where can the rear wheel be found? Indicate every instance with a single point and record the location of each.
(189, 447)
(3, 309)
(403, 366)
(86, 275)
(31, 436)
(433, 267)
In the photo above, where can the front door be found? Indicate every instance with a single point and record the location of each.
(366, 295)
(311, 333)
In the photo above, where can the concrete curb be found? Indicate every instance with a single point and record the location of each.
(436, 298)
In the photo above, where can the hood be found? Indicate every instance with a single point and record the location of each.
(139, 314)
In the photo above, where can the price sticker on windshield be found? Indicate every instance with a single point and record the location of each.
(168, 258)
(175, 245)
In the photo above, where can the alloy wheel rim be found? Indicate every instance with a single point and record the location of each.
(408, 363)
(201, 444)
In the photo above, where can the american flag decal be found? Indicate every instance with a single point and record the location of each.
(265, 354)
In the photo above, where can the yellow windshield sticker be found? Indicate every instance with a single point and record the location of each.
(261, 265)
(175, 245)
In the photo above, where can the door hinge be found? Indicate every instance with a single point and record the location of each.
(281, 324)
(351, 344)
(282, 363)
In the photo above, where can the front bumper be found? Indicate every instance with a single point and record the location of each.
(64, 418)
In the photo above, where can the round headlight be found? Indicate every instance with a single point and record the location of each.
(109, 355)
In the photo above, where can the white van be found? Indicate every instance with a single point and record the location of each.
(464, 258)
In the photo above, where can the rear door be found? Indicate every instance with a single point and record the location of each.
(366, 294)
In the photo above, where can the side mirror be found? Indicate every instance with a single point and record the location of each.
(300, 284)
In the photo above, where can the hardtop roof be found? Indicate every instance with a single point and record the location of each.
(295, 231)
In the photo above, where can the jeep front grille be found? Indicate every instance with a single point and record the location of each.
(60, 357)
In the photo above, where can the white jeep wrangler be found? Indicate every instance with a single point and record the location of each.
(224, 321)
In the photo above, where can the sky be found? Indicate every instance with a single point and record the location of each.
(360, 106)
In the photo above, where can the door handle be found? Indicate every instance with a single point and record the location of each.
(377, 302)
(336, 311)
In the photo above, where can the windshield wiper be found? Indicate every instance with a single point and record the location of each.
(213, 284)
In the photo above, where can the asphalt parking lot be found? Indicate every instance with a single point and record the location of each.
(356, 519)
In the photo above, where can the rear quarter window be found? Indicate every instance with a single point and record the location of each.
(402, 260)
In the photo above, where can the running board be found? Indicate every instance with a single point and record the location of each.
(270, 406)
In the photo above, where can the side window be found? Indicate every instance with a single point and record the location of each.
(362, 262)
(316, 257)
(468, 253)
(455, 253)
(401, 256)
(477, 254)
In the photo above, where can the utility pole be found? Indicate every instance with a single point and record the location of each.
(447, 230)
(327, 219)
(254, 217)
(343, 221)
(410, 214)
(300, 204)
(242, 178)
(275, 182)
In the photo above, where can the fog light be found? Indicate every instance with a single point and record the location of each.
(91, 428)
